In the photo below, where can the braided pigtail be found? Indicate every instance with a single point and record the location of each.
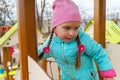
(42, 53)
(81, 49)
(78, 60)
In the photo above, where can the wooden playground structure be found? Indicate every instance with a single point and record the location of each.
(27, 35)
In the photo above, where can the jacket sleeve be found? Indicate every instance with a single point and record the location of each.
(96, 51)
(40, 48)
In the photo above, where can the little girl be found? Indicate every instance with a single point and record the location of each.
(73, 50)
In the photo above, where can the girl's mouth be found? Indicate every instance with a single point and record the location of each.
(69, 39)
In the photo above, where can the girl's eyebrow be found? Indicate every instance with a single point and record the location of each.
(67, 26)
(71, 26)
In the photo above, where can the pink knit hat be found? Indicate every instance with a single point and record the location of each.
(64, 11)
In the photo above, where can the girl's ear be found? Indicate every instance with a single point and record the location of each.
(55, 31)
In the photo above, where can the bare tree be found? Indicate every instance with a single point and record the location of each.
(1, 11)
(48, 16)
(116, 19)
(40, 16)
(44, 12)
(7, 11)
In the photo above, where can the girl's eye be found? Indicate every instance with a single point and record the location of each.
(76, 28)
(66, 28)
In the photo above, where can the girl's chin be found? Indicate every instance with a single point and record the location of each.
(67, 40)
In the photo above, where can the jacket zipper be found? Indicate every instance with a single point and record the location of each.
(66, 60)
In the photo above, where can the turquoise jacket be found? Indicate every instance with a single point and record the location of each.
(65, 53)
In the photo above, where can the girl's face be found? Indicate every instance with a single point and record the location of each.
(67, 31)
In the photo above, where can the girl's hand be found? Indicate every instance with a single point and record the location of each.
(108, 79)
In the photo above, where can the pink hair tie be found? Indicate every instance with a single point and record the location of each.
(46, 49)
(81, 48)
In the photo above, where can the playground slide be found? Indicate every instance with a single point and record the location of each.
(112, 31)
(35, 71)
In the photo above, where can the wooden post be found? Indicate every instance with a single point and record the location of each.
(59, 73)
(6, 57)
(11, 77)
(99, 22)
(26, 34)
(44, 64)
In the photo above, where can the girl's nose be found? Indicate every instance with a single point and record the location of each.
(71, 32)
